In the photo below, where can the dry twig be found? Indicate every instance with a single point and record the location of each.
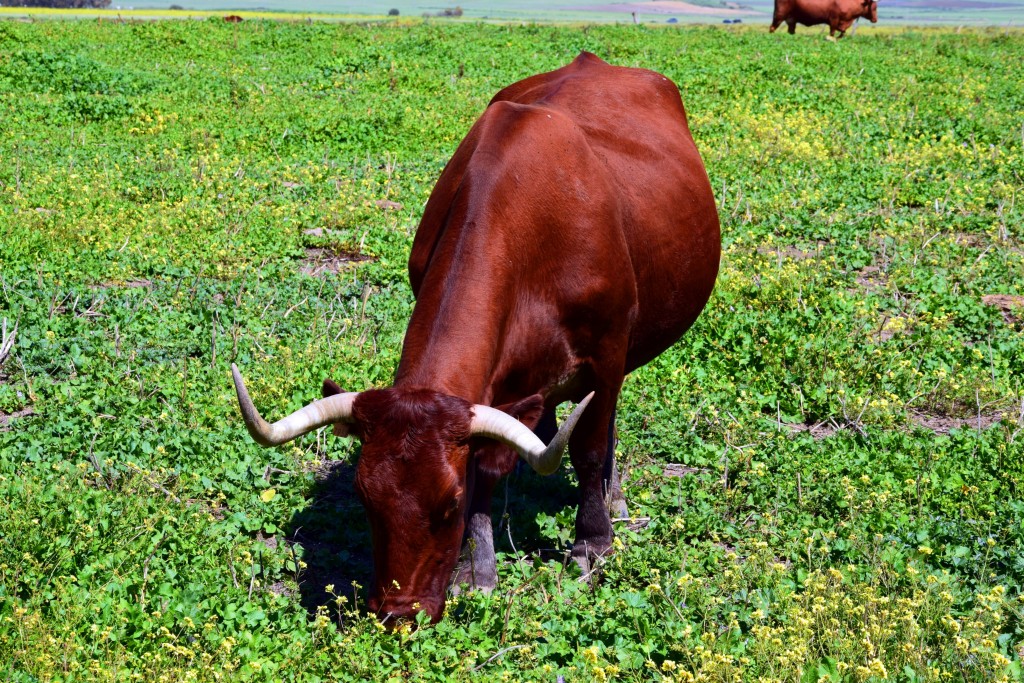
(6, 342)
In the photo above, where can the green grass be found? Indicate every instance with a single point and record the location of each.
(757, 12)
(157, 186)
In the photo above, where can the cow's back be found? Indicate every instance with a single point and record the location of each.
(634, 121)
(648, 227)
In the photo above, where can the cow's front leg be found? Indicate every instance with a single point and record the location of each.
(478, 565)
(616, 502)
(792, 27)
(591, 449)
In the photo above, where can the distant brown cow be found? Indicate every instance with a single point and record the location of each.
(838, 14)
(233, 19)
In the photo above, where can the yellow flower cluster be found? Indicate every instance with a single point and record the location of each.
(860, 627)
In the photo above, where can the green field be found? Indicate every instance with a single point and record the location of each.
(757, 12)
(824, 475)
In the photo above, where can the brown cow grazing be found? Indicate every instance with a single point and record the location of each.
(838, 14)
(571, 239)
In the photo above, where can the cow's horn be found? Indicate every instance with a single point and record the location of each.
(492, 423)
(336, 408)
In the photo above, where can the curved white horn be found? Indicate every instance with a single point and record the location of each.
(336, 408)
(492, 423)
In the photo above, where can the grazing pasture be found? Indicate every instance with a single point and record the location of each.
(824, 476)
(956, 12)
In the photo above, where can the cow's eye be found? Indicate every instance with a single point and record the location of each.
(452, 510)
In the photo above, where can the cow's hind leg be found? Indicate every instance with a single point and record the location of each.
(591, 449)
(792, 27)
(614, 499)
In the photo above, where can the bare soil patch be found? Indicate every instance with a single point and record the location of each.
(7, 418)
(891, 326)
(871, 277)
(969, 239)
(1012, 306)
(986, 242)
(793, 253)
(817, 430)
(321, 261)
(320, 232)
(280, 588)
(674, 469)
(942, 424)
(129, 284)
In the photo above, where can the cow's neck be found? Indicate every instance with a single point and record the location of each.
(459, 327)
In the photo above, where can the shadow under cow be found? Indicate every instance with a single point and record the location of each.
(335, 535)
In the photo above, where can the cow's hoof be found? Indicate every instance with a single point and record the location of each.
(589, 557)
(465, 578)
(590, 567)
(583, 562)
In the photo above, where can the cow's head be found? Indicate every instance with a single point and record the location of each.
(871, 10)
(411, 476)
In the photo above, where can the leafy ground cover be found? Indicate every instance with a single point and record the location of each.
(824, 475)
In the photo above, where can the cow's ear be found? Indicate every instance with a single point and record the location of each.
(330, 388)
(527, 411)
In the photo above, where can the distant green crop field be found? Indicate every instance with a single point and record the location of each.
(824, 475)
(1006, 13)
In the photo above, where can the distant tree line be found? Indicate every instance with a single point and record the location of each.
(63, 4)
